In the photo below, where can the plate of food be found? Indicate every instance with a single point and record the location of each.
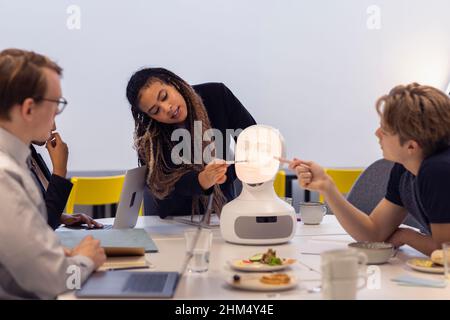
(262, 262)
(425, 265)
(263, 282)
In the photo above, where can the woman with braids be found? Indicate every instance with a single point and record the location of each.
(162, 102)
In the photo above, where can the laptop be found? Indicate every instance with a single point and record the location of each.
(130, 201)
(133, 284)
(128, 284)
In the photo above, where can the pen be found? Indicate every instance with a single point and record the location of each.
(235, 161)
(283, 160)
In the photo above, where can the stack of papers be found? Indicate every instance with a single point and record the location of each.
(124, 262)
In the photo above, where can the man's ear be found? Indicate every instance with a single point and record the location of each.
(413, 147)
(27, 108)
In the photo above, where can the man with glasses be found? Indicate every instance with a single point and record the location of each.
(33, 264)
(54, 186)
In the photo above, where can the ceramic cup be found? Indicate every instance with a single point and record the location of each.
(312, 212)
(343, 273)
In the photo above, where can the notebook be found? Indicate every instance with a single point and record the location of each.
(116, 242)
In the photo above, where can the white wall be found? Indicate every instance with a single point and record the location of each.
(311, 68)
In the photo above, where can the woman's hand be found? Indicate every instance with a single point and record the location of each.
(310, 175)
(213, 173)
(78, 219)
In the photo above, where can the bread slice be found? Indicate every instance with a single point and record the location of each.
(437, 257)
(276, 279)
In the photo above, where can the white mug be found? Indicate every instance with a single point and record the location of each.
(342, 289)
(343, 273)
(312, 212)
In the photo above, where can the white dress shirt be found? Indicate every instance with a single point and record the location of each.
(32, 260)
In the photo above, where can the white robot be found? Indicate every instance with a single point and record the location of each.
(258, 216)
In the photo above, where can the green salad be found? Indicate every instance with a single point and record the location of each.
(270, 258)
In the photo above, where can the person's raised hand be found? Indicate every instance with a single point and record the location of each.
(213, 173)
(311, 176)
(59, 154)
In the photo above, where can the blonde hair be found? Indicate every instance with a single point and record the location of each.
(419, 113)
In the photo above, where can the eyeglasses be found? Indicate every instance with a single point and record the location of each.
(62, 103)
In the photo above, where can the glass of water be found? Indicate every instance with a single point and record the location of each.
(199, 242)
(446, 257)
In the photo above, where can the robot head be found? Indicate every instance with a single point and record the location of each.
(256, 153)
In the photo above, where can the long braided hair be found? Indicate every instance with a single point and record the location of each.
(152, 139)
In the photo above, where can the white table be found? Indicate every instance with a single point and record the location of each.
(168, 236)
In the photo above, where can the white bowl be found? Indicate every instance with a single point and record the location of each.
(377, 252)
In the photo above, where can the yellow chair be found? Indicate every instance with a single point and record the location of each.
(343, 178)
(280, 184)
(95, 191)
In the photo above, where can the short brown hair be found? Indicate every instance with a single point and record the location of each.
(22, 77)
(419, 113)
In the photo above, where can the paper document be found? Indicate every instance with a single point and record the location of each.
(317, 246)
(123, 262)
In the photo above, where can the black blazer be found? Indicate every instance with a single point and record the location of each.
(57, 193)
(225, 111)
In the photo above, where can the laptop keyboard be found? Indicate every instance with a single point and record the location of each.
(107, 226)
(145, 282)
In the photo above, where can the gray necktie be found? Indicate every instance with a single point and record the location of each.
(39, 175)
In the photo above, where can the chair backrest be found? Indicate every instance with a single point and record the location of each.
(370, 189)
(95, 191)
(343, 178)
(279, 184)
(371, 186)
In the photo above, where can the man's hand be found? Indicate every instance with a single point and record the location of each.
(213, 173)
(77, 219)
(90, 247)
(310, 175)
(59, 154)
